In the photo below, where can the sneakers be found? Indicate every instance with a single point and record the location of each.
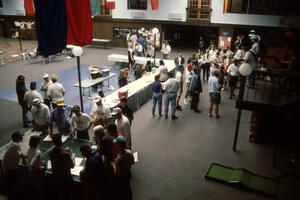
(217, 116)
(185, 101)
(178, 108)
(174, 117)
(197, 111)
(160, 115)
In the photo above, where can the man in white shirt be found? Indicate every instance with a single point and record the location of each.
(188, 78)
(56, 91)
(233, 71)
(32, 94)
(11, 161)
(166, 50)
(100, 114)
(179, 78)
(123, 125)
(44, 88)
(81, 123)
(40, 116)
(214, 88)
(170, 87)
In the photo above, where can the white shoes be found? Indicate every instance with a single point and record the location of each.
(185, 101)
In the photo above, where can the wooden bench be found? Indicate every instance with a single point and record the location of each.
(100, 42)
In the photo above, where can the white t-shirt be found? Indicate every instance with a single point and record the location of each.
(239, 54)
(166, 50)
(11, 156)
(81, 123)
(179, 78)
(123, 127)
(100, 112)
(44, 88)
(41, 115)
(250, 59)
(56, 91)
(188, 76)
(233, 70)
(171, 85)
(30, 95)
(35, 158)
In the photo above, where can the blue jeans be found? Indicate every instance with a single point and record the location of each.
(24, 116)
(170, 96)
(156, 98)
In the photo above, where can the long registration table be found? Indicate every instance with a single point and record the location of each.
(139, 91)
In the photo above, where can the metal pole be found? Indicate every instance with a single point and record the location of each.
(154, 50)
(241, 96)
(79, 80)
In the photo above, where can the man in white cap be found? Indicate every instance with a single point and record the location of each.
(123, 125)
(40, 116)
(100, 114)
(44, 88)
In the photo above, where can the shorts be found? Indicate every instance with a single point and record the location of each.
(215, 98)
(179, 92)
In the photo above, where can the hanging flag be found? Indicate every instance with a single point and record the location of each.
(79, 22)
(29, 7)
(110, 4)
(225, 8)
(51, 27)
(154, 4)
(95, 7)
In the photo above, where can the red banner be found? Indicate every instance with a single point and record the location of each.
(154, 4)
(29, 7)
(79, 22)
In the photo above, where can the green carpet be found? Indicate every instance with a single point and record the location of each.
(242, 177)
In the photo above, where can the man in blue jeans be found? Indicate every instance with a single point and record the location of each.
(156, 96)
(170, 86)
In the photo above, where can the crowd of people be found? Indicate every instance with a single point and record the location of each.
(108, 166)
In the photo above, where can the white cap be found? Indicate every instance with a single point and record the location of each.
(36, 101)
(45, 75)
(116, 111)
(96, 99)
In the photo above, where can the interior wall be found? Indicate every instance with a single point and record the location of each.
(217, 16)
(12, 7)
(166, 7)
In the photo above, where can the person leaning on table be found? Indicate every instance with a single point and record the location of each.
(10, 162)
(81, 122)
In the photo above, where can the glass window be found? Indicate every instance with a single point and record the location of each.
(137, 4)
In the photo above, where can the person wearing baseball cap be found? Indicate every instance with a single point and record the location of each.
(10, 162)
(32, 94)
(61, 117)
(40, 116)
(100, 113)
(123, 164)
(123, 124)
(44, 88)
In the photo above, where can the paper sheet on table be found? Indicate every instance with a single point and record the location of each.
(135, 155)
(49, 164)
(78, 161)
(63, 138)
(76, 170)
